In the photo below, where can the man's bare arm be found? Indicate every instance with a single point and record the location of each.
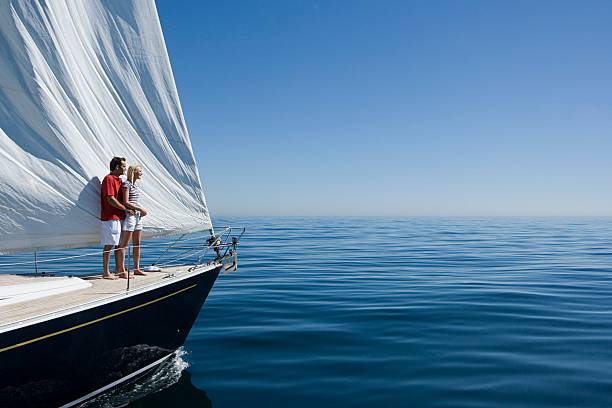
(126, 200)
(115, 203)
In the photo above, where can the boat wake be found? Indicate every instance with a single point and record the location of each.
(167, 374)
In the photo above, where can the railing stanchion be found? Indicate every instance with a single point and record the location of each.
(36, 263)
(127, 248)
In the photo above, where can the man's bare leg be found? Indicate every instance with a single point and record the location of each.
(120, 254)
(105, 261)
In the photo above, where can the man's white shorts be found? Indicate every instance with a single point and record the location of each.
(132, 222)
(110, 232)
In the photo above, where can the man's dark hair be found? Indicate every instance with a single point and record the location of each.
(116, 161)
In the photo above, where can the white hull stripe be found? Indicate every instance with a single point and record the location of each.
(115, 383)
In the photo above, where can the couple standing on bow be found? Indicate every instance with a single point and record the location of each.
(121, 216)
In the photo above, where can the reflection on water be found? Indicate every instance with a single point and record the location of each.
(169, 385)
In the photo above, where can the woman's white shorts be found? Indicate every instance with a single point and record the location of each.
(110, 232)
(132, 222)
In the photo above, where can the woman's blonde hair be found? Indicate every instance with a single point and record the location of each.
(131, 170)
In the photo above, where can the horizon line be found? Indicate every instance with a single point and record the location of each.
(413, 216)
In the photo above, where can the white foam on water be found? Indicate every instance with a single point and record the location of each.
(166, 375)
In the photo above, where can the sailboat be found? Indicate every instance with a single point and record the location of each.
(81, 82)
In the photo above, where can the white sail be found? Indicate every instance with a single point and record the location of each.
(82, 81)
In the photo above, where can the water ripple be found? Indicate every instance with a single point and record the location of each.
(428, 312)
(412, 312)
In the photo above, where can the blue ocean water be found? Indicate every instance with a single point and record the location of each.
(428, 312)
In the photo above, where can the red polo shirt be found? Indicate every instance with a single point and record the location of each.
(111, 186)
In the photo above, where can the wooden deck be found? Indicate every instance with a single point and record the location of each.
(100, 289)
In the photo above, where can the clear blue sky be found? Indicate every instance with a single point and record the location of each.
(397, 107)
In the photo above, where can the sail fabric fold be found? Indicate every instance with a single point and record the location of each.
(81, 82)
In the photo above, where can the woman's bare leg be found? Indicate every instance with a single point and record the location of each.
(136, 242)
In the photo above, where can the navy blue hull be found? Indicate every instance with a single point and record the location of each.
(61, 360)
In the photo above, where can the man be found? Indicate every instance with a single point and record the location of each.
(112, 212)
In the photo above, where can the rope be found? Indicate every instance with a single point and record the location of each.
(186, 256)
(97, 253)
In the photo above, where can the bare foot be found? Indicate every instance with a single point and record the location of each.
(124, 275)
(109, 276)
(139, 272)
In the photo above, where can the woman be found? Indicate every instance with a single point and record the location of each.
(132, 224)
